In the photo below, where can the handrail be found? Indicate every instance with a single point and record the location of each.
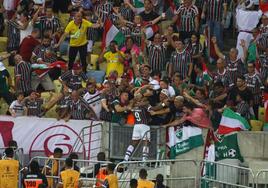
(76, 145)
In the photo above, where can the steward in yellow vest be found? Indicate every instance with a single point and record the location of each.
(9, 170)
(111, 181)
(143, 182)
(69, 177)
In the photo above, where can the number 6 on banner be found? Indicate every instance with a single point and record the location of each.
(6, 131)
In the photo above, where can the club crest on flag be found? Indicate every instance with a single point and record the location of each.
(179, 133)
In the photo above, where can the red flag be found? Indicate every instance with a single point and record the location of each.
(263, 5)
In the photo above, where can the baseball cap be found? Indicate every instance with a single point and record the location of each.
(165, 92)
(2, 66)
(77, 66)
(155, 84)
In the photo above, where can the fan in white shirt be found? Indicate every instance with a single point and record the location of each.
(17, 107)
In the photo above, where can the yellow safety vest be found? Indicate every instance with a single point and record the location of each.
(70, 178)
(9, 173)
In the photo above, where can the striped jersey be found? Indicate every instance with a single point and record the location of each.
(33, 107)
(264, 67)
(142, 116)
(23, 70)
(214, 9)
(181, 62)
(235, 68)
(187, 16)
(46, 23)
(94, 101)
(126, 31)
(64, 102)
(92, 33)
(79, 109)
(73, 81)
(136, 35)
(40, 52)
(224, 78)
(104, 10)
(255, 84)
(263, 38)
(243, 109)
(17, 107)
(127, 13)
(13, 35)
(157, 56)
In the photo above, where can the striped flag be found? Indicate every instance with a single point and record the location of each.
(183, 139)
(206, 74)
(151, 30)
(139, 5)
(111, 33)
(231, 122)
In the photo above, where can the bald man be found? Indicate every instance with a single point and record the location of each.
(77, 30)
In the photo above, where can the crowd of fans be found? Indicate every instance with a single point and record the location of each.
(161, 71)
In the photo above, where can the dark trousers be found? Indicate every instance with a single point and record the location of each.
(8, 97)
(82, 53)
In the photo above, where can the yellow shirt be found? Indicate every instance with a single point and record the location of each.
(145, 184)
(70, 178)
(9, 173)
(113, 62)
(78, 33)
(112, 180)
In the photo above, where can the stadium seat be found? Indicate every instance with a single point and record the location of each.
(97, 75)
(64, 19)
(96, 48)
(261, 115)
(3, 106)
(256, 125)
(57, 86)
(94, 58)
(3, 44)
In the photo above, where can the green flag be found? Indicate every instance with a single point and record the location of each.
(226, 147)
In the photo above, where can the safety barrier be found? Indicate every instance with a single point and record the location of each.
(172, 170)
(160, 143)
(120, 137)
(88, 137)
(261, 179)
(215, 174)
(52, 167)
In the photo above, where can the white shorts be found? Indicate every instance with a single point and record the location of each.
(139, 131)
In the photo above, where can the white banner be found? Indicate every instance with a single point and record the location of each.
(40, 136)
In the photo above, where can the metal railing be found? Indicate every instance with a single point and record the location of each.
(160, 143)
(261, 179)
(88, 136)
(120, 137)
(172, 170)
(221, 175)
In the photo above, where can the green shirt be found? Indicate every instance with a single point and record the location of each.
(252, 55)
(3, 81)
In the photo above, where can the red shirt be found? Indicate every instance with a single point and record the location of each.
(27, 46)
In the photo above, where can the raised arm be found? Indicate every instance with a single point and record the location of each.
(217, 50)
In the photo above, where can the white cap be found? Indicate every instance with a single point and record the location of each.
(155, 84)
(165, 92)
(2, 66)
